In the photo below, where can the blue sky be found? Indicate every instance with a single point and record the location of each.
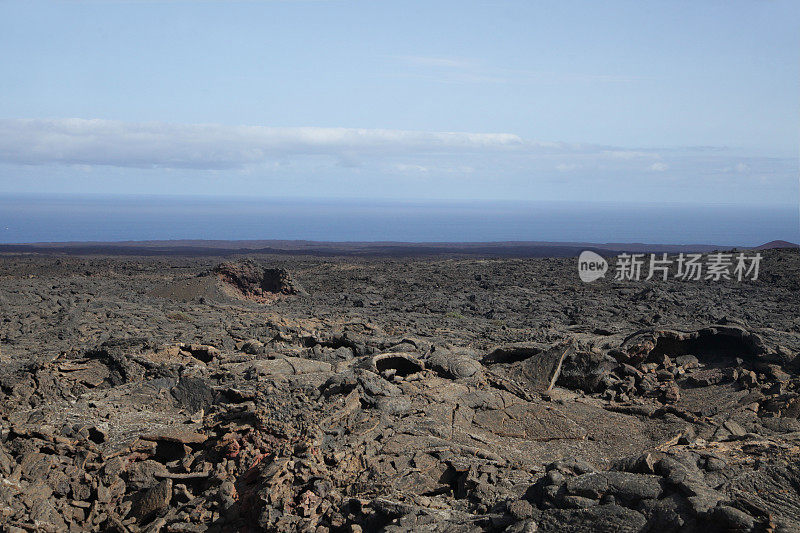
(640, 101)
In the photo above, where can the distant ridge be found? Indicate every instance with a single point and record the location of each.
(320, 248)
(777, 244)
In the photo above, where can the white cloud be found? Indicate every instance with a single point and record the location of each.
(378, 157)
(209, 146)
(213, 146)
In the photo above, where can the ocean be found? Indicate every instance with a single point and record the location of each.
(55, 218)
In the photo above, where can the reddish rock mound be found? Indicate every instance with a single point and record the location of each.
(252, 281)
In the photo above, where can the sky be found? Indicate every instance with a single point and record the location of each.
(676, 101)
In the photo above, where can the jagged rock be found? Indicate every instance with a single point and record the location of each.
(536, 365)
(597, 518)
(193, 393)
(624, 486)
(729, 518)
(142, 474)
(586, 370)
(773, 489)
(520, 509)
(152, 501)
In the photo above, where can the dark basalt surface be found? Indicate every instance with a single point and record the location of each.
(338, 394)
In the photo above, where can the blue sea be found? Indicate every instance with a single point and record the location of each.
(53, 218)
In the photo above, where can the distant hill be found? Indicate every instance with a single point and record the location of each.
(777, 244)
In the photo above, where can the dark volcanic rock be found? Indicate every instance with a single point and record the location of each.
(159, 394)
(455, 364)
(586, 371)
(152, 501)
(537, 366)
(707, 344)
(193, 393)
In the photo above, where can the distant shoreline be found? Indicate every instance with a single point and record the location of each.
(200, 247)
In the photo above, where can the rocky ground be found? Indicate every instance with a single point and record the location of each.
(427, 394)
